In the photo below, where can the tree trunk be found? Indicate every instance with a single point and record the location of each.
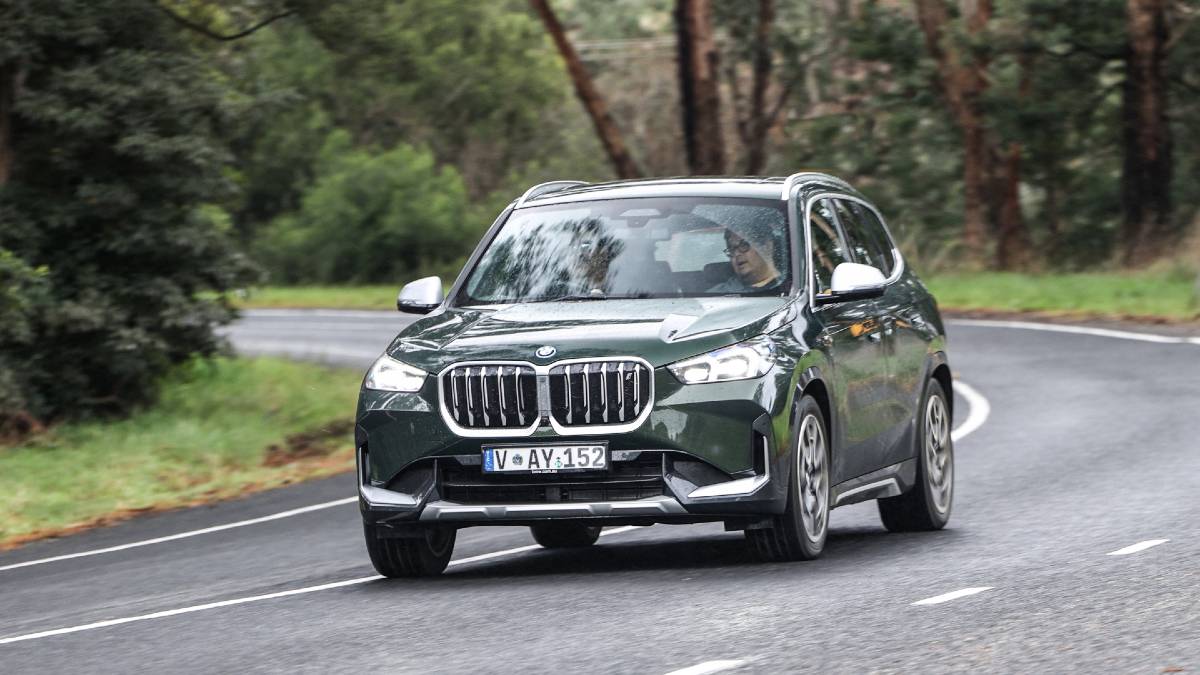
(8, 88)
(1146, 175)
(962, 84)
(585, 89)
(1012, 245)
(761, 119)
(700, 97)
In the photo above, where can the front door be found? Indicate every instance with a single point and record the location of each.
(852, 334)
(900, 321)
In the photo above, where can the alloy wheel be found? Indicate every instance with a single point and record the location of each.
(939, 457)
(814, 478)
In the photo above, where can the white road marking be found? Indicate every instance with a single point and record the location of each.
(186, 610)
(270, 596)
(1140, 546)
(708, 667)
(978, 410)
(185, 535)
(1079, 330)
(953, 595)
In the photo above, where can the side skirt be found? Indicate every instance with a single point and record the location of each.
(890, 481)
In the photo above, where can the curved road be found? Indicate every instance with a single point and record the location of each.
(1091, 448)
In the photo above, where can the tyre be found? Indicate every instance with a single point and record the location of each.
(799, 534)
(927, 505)
(564, 535)
(423, 556)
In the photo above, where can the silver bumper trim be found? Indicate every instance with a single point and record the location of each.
(381, 497)
(733, 488)
(448, 511)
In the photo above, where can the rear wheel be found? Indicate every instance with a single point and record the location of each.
(565, 535)
(423, 556)
(927, 505)
(800, 533)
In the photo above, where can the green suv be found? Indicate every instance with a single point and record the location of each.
(747, 350)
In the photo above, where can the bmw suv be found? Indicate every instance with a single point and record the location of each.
(752, 351)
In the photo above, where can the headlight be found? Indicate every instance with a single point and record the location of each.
(388, 374)
(743, 361)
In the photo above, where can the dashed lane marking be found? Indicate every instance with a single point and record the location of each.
(953, 595)
(708, 667)
(1138, 547)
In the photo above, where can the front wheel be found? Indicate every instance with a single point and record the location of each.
(800, 533)
(423, 556)
(564, 535)
(927, 505)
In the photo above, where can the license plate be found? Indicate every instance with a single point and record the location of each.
(545, 458)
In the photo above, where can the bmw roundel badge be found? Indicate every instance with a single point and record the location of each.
(545, 352)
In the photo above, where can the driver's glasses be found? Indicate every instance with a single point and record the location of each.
(737, 248)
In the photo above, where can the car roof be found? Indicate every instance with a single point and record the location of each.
(759, 187)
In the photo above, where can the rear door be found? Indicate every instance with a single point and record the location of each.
(851, 333)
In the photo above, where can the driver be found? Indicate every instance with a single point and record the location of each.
(751, 250)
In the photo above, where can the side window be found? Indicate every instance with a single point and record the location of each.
(867, 239)
(828, 248)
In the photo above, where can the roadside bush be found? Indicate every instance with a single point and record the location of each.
(113, 157)
(22, 295)
(371, 217)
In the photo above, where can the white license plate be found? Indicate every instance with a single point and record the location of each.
(545, 458)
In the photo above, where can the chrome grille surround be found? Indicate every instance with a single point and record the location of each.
(621, 366)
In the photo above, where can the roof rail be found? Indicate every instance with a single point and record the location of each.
(790, 181)
(546, 188)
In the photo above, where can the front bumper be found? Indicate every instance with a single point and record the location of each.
(721, 450)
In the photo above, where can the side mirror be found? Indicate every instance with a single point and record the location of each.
(421, 296)
(852, 281)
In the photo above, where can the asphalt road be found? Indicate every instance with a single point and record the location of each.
(1091, 447)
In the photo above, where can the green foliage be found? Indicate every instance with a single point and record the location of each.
(115, 154)
(22, 296)
(371, 217)
(1053, 74)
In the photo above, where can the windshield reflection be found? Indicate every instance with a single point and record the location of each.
(635, 248)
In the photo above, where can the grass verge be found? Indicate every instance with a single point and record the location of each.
(320, 297)
(220, 429)
(1134, 296)
(1154, 296)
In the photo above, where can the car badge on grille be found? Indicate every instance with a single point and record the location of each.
(545, 352)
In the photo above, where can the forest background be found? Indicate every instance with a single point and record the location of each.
(159, 157)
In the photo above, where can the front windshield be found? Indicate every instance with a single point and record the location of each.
(636, 248)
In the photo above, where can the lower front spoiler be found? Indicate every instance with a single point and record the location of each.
(440, 511)
(400, 511)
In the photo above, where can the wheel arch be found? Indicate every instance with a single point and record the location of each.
(812, 384)
(939, 369)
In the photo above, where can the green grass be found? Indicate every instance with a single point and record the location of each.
(1111, 295)
(324, 297)
(1165, 295)
(206, 438)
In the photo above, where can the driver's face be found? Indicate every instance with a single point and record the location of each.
(748, 262)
